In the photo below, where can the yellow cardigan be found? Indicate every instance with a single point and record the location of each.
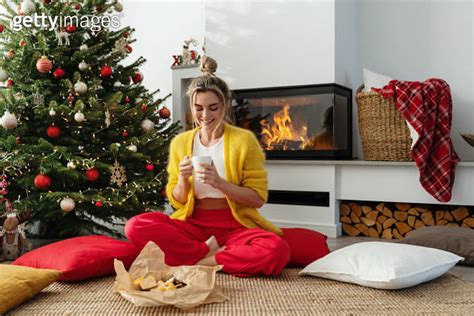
(244, 166)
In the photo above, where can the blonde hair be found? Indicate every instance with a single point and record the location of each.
(210, 82)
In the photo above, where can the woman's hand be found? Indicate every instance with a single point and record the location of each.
(208, 175)
(185, 169)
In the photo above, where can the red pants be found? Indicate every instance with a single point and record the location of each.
(248, 251)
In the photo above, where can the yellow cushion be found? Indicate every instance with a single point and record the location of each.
(18, 284)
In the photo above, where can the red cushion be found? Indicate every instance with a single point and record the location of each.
(80, 258)
(306, 245)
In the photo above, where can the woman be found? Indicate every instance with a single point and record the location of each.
(216, 221)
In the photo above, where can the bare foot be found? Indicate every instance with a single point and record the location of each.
(210, 259)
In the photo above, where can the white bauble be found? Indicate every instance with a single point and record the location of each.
(83, 66)
(132, 148)
(118, 7)
(52, 112)
(80, 87)
(84, 47)
(79, 117)
(27, 7)
(3, 75)
(9, 120)
(147, 125)
(117, 84)
(71, 165)
(67, 204)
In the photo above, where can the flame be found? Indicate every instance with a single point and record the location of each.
(282, 132)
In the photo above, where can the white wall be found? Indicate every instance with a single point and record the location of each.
(416, 40)
(272, 43)
(160, 29)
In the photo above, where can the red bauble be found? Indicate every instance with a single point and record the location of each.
(124, 133)
(137, 77)
(98, 204)
(53, 131)
(92, 174)
(144, 107)
(42, 181)
(46, 1)
(44, 65)
(21, 43)
(127, 99)
(150, 167)
(129, 48)
(126, 34)
(9, 83)
(58, 73)
(106, 71)
(71, 28)
(77, 6)
(2, 27)
(164, 112)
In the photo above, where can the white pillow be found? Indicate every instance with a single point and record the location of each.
(383, 265)
(374, 80)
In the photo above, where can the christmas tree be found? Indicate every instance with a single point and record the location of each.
(84, 144)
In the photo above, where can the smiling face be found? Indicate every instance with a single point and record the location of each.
(208, 110)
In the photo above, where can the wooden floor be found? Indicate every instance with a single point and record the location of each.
(464, 272)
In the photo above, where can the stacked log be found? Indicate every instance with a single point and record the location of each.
(396, 220)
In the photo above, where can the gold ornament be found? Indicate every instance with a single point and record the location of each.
(118, 174)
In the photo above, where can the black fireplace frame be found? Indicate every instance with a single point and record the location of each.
(340, 154)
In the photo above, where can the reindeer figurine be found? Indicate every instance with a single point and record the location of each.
(13, 242)
(62, 35)
(189, 57)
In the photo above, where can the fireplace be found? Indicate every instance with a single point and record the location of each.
(298, 122)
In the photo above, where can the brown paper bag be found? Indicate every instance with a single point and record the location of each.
(200, 281)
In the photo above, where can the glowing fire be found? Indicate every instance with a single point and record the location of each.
(282, 133)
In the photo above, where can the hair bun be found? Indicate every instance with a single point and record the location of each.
(208, 65)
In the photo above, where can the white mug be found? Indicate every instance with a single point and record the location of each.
(201, 159)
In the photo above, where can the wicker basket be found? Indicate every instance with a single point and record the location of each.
(383, 130)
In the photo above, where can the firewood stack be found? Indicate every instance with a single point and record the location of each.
(395, 220)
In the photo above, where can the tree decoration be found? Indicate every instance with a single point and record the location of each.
(117, 84)
(118, 6)
(147, 125)
(53, 131)
(71, 28)
(80, 88)
(52, 112)
(83, 66)
(79, 117)
(44, 65)
(42, 181)
(46, 1)
(144, 107)
(118, 174)
(132, 148)
(2, 28)
(137, 77)
(106, 71)
(99, 204)
(59, 73)
(27, 7)
(164, 112)
(92, 174)
(10, 54)
(150, 167)
(124, 133)
(71, 165)
(38, 99)
(3, 185)
(9, 83)
(3, 75)
(107, 118)
(129, 48)
(83, 47)
(22, 43)
(126, 99)
(67, 204)
(9, 120)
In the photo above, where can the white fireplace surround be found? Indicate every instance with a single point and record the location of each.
(344, 179)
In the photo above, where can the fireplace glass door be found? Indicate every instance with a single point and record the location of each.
(300, 122)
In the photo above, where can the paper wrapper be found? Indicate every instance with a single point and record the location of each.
(200, 281)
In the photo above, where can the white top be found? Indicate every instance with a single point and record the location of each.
(216, 151)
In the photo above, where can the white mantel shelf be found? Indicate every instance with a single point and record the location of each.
(356, 180)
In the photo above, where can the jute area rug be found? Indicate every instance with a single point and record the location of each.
(288, 294)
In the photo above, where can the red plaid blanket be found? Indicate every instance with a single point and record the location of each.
(427, 106)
